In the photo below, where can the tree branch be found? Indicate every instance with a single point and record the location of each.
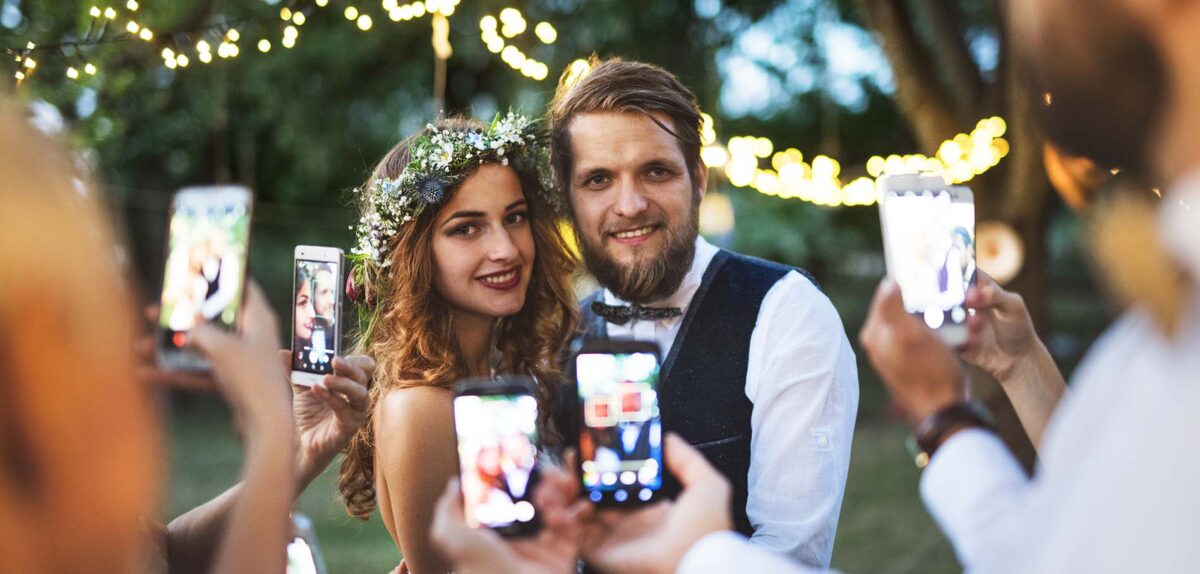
(950, 45)
(918, 90)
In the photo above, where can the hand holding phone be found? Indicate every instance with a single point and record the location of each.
(208, 241)
(316, 312)
(496, 424)
(620, 441)
(929, 246)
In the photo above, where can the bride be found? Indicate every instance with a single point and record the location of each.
(460, 270)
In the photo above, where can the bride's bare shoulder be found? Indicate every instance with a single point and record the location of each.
(414, 414)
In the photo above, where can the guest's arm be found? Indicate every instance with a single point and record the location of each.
(326, 416)
(804, 386)
(254, 383)
(973, 486)
(1002, 341)
(415, 455)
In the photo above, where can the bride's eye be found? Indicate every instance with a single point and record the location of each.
(466, 230)
(516, 218)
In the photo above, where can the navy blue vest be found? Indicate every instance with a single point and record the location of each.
(702, 389)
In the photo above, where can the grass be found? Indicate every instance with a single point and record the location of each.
(883, 528)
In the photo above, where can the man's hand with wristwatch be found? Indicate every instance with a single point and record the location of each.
(922, 373)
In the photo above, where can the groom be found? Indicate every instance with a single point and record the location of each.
(757, 372)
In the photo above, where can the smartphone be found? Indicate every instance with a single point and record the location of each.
(208, 240)
(620, 441)
(929, 246)
(316, 311)
(303, 554)
(496, 424)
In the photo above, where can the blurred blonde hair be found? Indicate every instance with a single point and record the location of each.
(77, 439)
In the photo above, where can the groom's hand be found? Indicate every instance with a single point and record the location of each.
(921, 372)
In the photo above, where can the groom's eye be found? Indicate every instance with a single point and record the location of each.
(658, 173)
(597, 181)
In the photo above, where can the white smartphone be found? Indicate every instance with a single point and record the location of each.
(208, 243)
(303, 554)
(316, 312)
(929, 246)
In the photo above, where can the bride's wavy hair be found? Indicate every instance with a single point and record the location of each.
(410, 328)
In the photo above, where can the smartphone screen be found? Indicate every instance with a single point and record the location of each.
(207, 244)
(931, 248)
(497, 453)
(620, 443)
(315, 316)
(303, 554)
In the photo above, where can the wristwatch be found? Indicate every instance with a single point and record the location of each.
(937, 427)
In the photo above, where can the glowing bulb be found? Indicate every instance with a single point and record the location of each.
(365, 23)
(285, 13)
(322, 3)
(546, 32)
(183, 61)
(146, 34)
(30, 63)
(72, 73)
(206, 57)
(299, 18)
(132, 5)
(418, 9)
(91, 69)
(168, 54)
(289, 42)
(390, 5)
(132, 27)
(171, 64)
(509, 15)
(264, 45)
(396, 14)
(95, 12)
(487, 23)
(351, 13)
(202, 46)
(19, 75)
(290, 32)
(110, 13)
(233, 35)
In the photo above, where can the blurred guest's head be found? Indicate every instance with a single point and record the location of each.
(625, 146)
(77, 446)
(1115, 80)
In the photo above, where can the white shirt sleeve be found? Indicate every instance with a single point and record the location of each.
(724, 552)
(976, 491)
(803, 381)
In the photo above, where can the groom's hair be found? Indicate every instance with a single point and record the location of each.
(615, 85)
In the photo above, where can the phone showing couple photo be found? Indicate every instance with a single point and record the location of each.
(621, 438)
(208, 240)
(496, 422)
(929, 247)
(316, 312)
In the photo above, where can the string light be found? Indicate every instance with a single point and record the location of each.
(364, 22)
(299, 18)
(351, 13)
(95, 12)
(511, 23)
(322, 3)
(72, 73)
(182, 60)
(110, 13)
(264, 45)
(132, 5)
(959, 160)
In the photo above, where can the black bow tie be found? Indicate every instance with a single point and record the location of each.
(621, 314)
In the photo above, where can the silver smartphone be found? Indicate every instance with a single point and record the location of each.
(929, 245)
(316, 312)
(204, 278)
(303, 554)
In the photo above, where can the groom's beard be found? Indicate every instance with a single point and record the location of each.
(651, 276)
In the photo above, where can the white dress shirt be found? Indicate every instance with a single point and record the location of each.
(1118, 483)
(803, 382)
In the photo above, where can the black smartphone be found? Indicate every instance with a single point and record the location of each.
(495, 420)
(620, 441)
(208, 242)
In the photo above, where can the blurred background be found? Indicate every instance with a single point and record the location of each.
(807, 101)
